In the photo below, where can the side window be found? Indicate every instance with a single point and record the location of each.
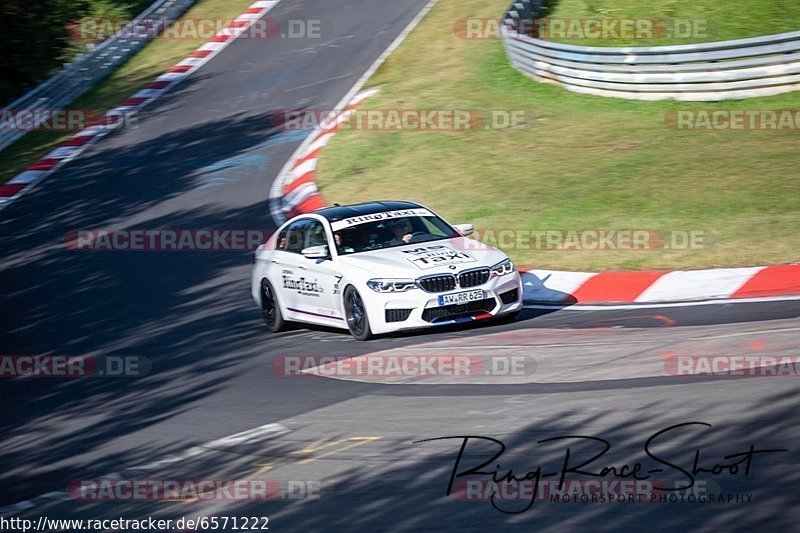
(315, 234)
(295, 237)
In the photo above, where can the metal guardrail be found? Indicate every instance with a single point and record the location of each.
(86, 70)
(722, 70)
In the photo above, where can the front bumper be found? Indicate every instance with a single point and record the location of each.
(422, 308)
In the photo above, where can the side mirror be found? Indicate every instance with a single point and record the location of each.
(465, 229)
(316, 252)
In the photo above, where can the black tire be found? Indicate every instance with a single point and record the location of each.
(270, 309)
(356, 315)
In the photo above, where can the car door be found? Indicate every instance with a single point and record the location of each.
(286, 263)
(313, 283)
(322, 275)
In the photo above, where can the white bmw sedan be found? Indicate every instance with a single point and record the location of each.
(380, 267)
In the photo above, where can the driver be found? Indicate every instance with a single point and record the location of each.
(401, 230)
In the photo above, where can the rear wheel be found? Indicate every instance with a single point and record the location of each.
(270, 308)
(356, 314)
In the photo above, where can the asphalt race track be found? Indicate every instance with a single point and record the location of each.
(204, 156)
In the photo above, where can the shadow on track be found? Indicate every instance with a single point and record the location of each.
(407, 493)
(187, 312)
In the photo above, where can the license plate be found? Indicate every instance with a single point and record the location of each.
(460, 297)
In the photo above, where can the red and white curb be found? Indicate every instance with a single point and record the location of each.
(45, 166)
(294, 192)
(650, 287)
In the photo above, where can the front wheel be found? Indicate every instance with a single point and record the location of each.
(356, 314)
(270, 308)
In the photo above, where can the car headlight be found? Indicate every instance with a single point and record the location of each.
(391, 285)
(502, 268)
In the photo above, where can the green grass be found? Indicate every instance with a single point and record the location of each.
(712, 20)
(581, 162)
(153, 60)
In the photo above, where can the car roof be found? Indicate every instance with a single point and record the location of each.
(339, 212)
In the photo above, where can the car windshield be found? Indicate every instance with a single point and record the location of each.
(391, 232)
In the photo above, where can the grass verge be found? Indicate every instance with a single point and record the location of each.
(580, 162)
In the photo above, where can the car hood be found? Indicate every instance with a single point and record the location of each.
(415, 260)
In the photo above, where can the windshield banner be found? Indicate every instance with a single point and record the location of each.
(354, 221)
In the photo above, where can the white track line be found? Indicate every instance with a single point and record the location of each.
(265, 432)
